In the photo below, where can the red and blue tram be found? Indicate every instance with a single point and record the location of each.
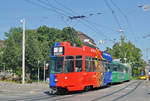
(78, 68)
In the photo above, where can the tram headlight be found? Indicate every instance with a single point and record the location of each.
(55, 80)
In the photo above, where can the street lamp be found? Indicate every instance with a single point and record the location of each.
(45, 66)
(23, 50)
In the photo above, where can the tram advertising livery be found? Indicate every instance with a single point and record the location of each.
(79, 68)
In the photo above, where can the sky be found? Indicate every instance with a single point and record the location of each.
(104, 18)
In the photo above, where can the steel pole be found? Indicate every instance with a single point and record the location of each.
(44, 72)
(23, 51)
(38, 71)
(4, 67)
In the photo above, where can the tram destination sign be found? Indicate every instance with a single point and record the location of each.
(58, 51)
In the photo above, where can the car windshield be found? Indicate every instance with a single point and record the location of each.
(56, 64)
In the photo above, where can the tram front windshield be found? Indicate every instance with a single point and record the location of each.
(56, 64)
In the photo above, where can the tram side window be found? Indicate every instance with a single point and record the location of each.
(78, 64)
(94, 64)
(114, 69)
(104, 66)
(69, 64)
(121, 68)
(126, 70)
(87, 64)
(108, 65)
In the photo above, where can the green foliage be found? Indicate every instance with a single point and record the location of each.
(65, 35)
(11, 53)
(128, 50)
(38, 44)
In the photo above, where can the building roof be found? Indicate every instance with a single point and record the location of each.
(86, 40)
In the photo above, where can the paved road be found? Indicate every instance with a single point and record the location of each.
(128, 91)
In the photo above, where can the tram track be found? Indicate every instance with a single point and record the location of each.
(74, 95)
(39, 97)
(124, 95)
(67, 97)
(118, 91)
(59, 99)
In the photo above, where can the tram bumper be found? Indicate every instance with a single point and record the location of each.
(53, 90)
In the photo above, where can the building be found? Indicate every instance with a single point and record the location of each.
(1, 43)
(86, 40)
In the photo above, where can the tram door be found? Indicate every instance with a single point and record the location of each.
(108, 73)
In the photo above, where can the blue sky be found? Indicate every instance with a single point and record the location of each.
(133, 20)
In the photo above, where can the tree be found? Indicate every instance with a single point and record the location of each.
(70, 33)
(12, 51)
(33, 54)
(38, 45)
(127, 52)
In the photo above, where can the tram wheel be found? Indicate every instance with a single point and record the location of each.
(87, 88)
(61, 91)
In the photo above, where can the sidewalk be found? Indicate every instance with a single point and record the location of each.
(14, 87)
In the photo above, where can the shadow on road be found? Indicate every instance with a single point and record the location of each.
(148, 93)
(74, 92)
